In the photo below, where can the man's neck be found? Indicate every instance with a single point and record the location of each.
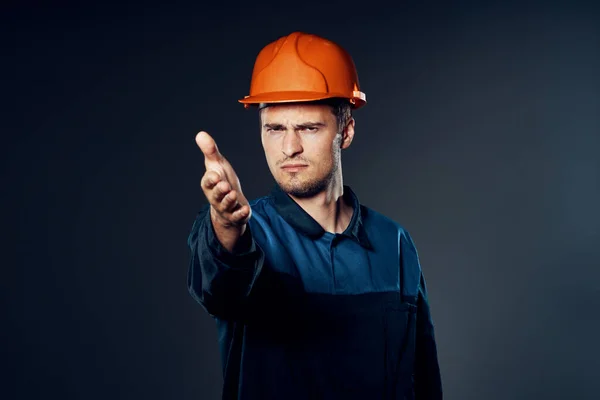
(328, 208)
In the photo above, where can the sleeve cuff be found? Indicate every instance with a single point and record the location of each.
(239, 257)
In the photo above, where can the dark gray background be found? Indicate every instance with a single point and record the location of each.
(481, 136)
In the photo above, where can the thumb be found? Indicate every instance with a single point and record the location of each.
(208, 146)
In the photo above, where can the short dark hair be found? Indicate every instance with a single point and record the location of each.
(341, 109)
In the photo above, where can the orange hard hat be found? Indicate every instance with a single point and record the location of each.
(303, 67)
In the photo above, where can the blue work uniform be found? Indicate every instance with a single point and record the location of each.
(303, 313)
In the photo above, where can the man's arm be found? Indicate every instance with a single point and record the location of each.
(428, 383)
(225, 261)
(219, 279)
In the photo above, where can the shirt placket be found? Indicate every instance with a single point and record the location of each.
(332, 252)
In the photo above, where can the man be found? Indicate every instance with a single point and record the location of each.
(315, 296)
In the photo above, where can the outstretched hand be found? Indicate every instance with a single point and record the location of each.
(221, 186)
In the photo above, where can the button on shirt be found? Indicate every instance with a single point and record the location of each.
(307, 314)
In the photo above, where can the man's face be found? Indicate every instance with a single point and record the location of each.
(302, 145)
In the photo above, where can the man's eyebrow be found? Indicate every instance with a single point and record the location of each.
(309, 124)
(304, 125)
(273, 126)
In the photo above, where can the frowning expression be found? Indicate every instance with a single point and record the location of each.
(302, 144)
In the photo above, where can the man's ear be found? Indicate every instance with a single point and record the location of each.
(348, 134)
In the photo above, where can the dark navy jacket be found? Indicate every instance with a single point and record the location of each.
(307, 314)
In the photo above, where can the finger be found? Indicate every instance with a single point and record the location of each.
(229, 202)
(220, 191)
(208, 146)
(241, 215)
(210, 180)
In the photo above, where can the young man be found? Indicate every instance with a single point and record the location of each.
(315, 295)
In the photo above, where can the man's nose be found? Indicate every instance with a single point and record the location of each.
(292, 144)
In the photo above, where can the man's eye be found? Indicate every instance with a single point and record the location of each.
(310, 129)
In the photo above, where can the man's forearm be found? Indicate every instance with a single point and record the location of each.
(219, 279)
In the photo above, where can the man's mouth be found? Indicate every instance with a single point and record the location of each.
(293, 167)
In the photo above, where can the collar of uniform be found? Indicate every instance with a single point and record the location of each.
(300, 220)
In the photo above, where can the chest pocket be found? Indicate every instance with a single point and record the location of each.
(357, 347)
(368, 353)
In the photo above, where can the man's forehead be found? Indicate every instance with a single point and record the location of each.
(296, 112)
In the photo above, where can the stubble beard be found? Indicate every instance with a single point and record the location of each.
(311, 187)
(308, 188)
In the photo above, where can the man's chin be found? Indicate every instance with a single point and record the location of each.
(301, 189)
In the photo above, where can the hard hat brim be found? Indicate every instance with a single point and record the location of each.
(295, 97)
